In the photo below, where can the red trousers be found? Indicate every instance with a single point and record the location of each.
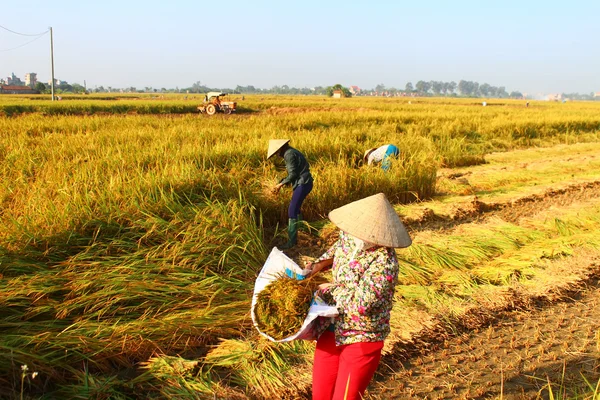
(344, 372)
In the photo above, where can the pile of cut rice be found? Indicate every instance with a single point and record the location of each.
(282, 306)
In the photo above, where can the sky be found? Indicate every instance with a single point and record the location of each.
(532, 46)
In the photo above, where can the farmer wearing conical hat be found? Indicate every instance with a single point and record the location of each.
(298, 177)
(382, 154)
(365, 272)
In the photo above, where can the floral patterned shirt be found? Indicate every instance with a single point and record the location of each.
(363, 289)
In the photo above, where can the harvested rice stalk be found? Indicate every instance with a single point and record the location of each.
(282, 306)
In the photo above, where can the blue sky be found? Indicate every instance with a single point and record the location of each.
(533, 46)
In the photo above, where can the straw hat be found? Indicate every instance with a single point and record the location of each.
(275, 145)
(372, 219)
(366, 156)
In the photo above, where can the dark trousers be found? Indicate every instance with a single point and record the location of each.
(298, 197)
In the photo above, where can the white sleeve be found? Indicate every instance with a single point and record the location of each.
(378, 154)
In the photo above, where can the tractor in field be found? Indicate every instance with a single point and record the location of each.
(213, 104)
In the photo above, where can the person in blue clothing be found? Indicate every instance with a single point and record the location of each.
(298, 177)
(382, 155)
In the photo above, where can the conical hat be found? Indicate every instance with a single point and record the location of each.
(366, 156)
(274, 145)
(372, 219)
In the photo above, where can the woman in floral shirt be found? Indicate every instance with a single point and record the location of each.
(365, 272)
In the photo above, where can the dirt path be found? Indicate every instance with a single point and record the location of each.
(511, 211)
(512, 358)
(542, 163)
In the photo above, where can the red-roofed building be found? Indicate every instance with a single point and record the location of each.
(14, 89)
(555, 97)
(355, 90)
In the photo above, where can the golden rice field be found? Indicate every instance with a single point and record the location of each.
(132, 230)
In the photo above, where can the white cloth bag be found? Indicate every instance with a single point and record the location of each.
(275, 266)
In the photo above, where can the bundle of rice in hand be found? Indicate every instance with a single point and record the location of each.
(267, 189)
(282, 306)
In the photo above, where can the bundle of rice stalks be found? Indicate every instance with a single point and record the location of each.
(266, 189)
(282, 306)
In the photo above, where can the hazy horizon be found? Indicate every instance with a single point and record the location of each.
(537, 47)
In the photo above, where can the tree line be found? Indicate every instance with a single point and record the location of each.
(463, 88)
(422, 88)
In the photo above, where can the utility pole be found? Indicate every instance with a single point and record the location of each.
(52, 61)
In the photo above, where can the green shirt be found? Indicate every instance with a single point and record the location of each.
(297, 168)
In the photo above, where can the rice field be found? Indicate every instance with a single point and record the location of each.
(132, 228)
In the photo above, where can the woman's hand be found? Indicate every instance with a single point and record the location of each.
(277, 187)
(309, 267)
(315, 267)
(324, 286)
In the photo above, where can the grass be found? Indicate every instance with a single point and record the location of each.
(568, 389)
(115, 304)
(132, 229)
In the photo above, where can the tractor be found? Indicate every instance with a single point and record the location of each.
(212, 104)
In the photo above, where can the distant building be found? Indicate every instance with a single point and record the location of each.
(31, 79)
(337, 94)
(554, 97)
(355, 90)
(12, 80)
(17, 89)
(597, 95)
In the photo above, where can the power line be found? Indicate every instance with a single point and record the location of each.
(22, 34)
(24, 44)
(38, 35)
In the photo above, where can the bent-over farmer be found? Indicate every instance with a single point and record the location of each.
(298, 177)
(382, 154)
